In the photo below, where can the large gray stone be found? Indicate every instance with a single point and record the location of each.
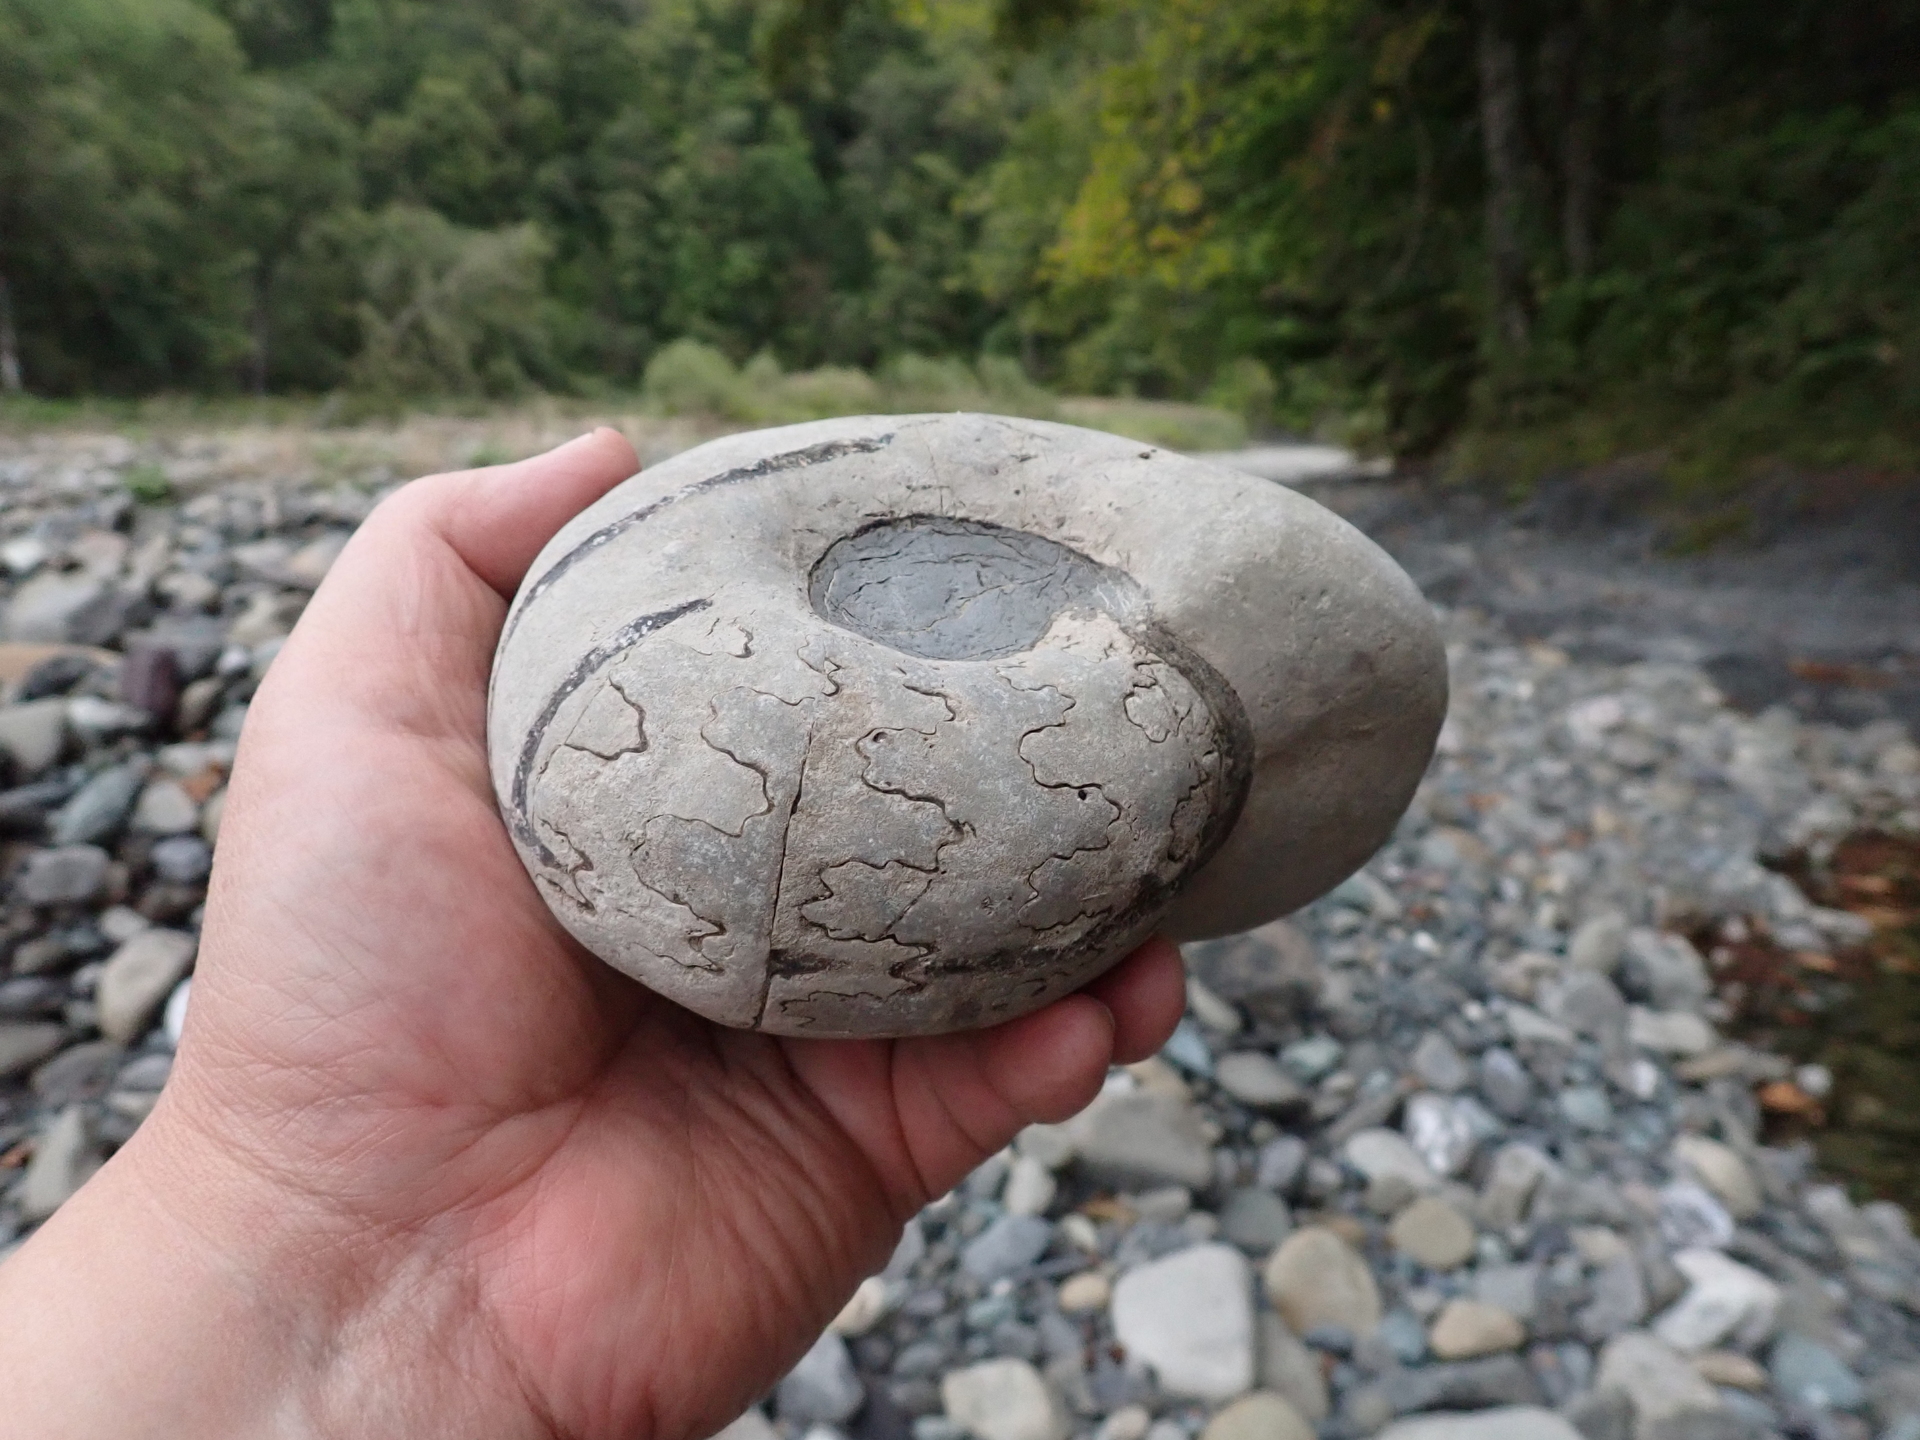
(138, 978)
(61, 875)
(1316, 1279)
(822, 1387)
(1003, 1399)
(1141, 1140)
(890, 725)
(1655, 1377)
(1189, 1318)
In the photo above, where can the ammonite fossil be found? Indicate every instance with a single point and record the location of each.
(901, 724)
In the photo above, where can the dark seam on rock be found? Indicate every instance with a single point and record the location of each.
(624, 638)
(760, 469)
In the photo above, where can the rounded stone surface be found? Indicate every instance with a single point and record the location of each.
(897, 725)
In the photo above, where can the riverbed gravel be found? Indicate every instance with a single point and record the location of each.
(1465, 1135)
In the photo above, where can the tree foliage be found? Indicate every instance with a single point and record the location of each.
(1423, 217)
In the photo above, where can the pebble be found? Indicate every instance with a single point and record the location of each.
(62, 1162)
(62, 875)
(865, 1308)
(1084, 1293)
(1262, 1415)
(1720, 1168)
(1691, 1218)
(1280, 1164)
(1439, 1065)
(1505, 1422)
(1003, 1399)
(1256, 1220)
(1505, 1083)
(823, 1387)
(1469, 1329)
(99, 808)
(1434, 1233)
(1189, 1318)
(1728, 1367)
(164, 808)
(1010, 1244)
(1812, 1375)
(1142, 1139)
(1597, 945)
(1287, 1367)
(1312, 1059)
(1656, 1379)
(23, 1046)
(753, 1425)
(1316, 1278)
(138, 978)
(1258, 1081)
(1669, 1032)
(1725, 1300)
(33, 733)
(1382, 1154)
(1030, 1187)
(1586, 1107)
(1446, 1131)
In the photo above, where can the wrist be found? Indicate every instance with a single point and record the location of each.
(176, 1294)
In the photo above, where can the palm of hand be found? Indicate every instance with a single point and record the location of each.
(615, 1217)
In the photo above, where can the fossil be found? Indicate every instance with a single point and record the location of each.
(897, 725)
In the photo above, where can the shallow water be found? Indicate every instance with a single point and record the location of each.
(1855, 1013)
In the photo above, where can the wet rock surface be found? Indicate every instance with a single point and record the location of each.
(1465, 1148)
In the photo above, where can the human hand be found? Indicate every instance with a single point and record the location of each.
(426, 1168)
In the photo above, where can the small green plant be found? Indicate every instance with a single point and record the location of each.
(147, 483)
(487, 453)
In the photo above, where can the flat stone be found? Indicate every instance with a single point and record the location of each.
(753, 1425)
(1271, 972)
(1378, 1153)
(1030, 1187)
(1514, 1288)
(1007, 1246)
(1692, 1218)
(23, 1046)
(1586, 1107)
(1256, 1220)
(53, 607)
(164, 808)
(1262, 1415)
(1434, 1233)
(872, 1298)
(79, 1072)
(33, 733)
(1003, 1399)
(1470, 1329)
(1257, 1081)
(1512, 1179)
(1286, 1366)
(823, 1387)
(1445, 1131)
(1085, 1293)
(1720, 1168)
(999, 755)
(61, 875)
(1725, 1300)
(1655, 1377)
(1140, 1139)
(138, 978)
(1505, 1083)
(1670, 1032)
(1528, 1026)
(1617, 1299)
(1664, 970)
(1506, 1422)
(1732, 1369)
(1439, 1065)
(1599, 942)
(1315, 1278)
(1809, 1374)
(181, 859)
(1586, 1004)
(99, 808)
(1281, 1162)
(1189, 1318)
(63, 1160)
(1313, 1058)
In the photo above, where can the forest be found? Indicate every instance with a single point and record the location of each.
(1573, 228)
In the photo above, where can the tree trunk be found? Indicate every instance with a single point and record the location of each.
(1579, 178)
(1683, 47)
(258, 323)
(1506, 179)
(10, 381)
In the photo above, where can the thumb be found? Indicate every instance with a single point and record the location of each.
(401, 633)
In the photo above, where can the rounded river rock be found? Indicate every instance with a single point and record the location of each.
(897, 725)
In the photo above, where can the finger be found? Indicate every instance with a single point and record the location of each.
(1147, 993)
(497, 519)
(402, 631)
